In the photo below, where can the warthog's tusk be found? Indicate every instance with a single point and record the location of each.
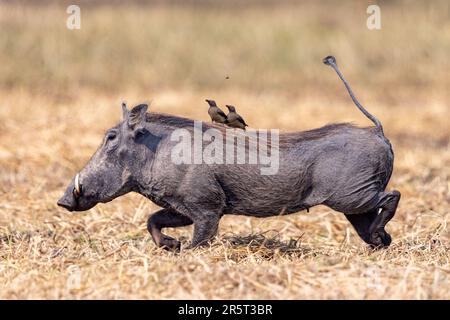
(77, 189)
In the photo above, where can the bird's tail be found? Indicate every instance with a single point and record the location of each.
(331, 61)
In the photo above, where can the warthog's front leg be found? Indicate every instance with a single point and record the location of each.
(205, 228)
(166, 218)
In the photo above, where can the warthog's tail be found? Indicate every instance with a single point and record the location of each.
(331, 61)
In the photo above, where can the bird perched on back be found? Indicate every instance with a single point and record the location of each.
(234, 120)
(216, 114)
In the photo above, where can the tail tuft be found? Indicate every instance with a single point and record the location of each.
(329, 60)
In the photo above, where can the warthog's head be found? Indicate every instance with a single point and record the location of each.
(112, 169)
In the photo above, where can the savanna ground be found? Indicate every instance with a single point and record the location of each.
(60, 90)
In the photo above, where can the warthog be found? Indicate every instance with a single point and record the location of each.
(341, 166)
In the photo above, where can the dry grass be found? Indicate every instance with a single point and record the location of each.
(58, 99)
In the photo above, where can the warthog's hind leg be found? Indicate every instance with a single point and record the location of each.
(166, 218)
(370, 225)
(388, 205)
(362, 222)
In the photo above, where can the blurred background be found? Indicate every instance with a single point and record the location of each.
(61, 89)
(262, 46)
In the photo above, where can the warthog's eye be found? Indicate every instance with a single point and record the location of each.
(111, 136)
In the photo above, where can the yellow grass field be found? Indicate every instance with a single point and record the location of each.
(61, 89)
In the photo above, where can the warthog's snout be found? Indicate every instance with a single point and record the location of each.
(71, 198)
(68, 201)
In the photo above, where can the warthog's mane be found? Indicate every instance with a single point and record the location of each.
(177, 122)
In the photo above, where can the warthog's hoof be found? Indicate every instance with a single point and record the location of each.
(169, 243)
(380, 239)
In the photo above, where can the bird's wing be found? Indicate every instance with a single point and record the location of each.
(221, 113)
(239, 118)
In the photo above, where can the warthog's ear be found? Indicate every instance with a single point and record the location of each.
(137, 115)
(124, 111)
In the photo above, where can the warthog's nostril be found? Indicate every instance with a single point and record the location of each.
(65, 205)
(78, 188)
